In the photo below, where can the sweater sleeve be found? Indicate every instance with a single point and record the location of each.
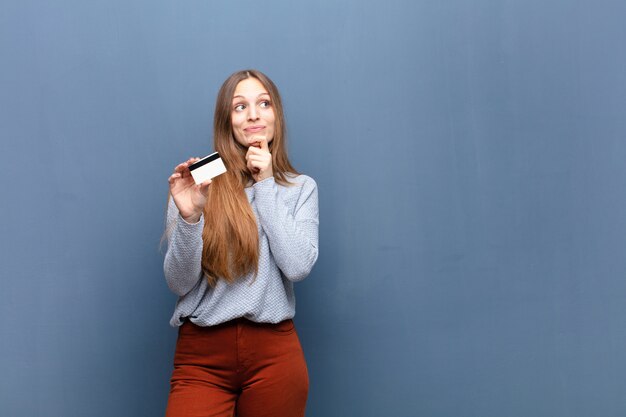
(292, 232)
(183, 260)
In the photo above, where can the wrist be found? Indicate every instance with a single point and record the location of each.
(192, 218)
(262, 179)
(263, 176)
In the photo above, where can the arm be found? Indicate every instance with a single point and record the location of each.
(292, 233)
(183, 260)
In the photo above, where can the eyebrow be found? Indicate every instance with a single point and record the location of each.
(262, 94)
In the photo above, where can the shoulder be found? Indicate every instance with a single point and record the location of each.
(299, 185)
(305, 190)
(301, 180)
(301, 189)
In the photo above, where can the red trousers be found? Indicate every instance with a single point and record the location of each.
(239, 368)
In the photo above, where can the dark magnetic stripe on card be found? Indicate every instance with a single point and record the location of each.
(204, 161)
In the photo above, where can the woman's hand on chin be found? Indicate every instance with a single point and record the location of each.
(259, 159)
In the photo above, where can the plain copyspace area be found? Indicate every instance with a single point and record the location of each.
(470, 164)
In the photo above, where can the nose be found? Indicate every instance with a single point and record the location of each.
(252, 113)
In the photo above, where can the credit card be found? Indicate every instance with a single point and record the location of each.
(207, 168)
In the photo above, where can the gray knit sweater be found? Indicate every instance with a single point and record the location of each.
(287, 221)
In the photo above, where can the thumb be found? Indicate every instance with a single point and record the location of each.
(204, 187)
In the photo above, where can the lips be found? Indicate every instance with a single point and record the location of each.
(254, 129)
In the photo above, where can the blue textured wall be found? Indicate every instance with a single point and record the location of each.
(471, 164)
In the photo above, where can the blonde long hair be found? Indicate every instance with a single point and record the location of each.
(230, 238)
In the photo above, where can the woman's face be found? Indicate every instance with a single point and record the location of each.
(252, 114)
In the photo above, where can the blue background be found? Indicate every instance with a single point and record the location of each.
(470, 158)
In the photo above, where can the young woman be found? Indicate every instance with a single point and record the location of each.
(236, 245)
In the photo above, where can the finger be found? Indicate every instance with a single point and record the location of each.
(259, 162)
(252, 166)
(257, 167)
(264, 144)
(261, 157)
(256, 140)
(256, 151)
(257, 158)
(183, 165)
(173, 177)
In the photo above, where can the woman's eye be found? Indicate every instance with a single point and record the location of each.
(265, 104)
(239, 107)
